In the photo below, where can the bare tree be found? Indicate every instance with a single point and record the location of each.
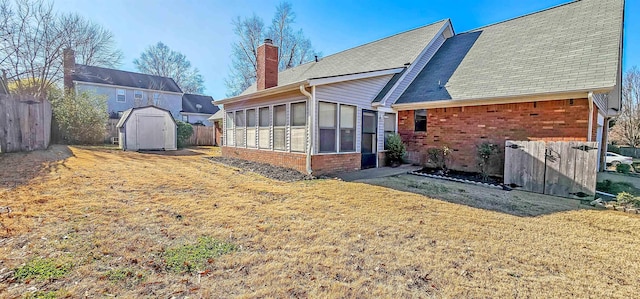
(294, 47)
(92, 43)
(160, 60)
(627, 126)
(33, 36)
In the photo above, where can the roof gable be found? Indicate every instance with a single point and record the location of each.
(100, 75)
(127, 113)
(395, 51)
(571, 47)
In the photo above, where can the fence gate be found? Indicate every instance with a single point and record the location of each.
(563, 168)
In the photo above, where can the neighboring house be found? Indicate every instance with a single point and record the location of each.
(125, 90)
(197, 109)
(549, 75)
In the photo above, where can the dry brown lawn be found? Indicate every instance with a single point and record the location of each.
(104, 210)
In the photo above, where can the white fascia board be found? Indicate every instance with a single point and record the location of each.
(262, 93)
(386, 110)
(342, 78)
(413, 63)
(195, 113)
(125, 87)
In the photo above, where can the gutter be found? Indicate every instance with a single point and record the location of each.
(309, 126)
(590, 97)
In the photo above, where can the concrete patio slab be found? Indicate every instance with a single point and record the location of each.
(373, 173)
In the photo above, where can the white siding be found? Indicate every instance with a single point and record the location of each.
(359, 93)
(413, 72)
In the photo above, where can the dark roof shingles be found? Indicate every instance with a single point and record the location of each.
(94, 74)
(189, 102)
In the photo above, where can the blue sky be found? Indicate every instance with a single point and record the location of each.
(202, 29)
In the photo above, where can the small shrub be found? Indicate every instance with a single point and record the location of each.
(439, 157)
(396, 150)
(42, 269)
(623, 168)
(189, 258)
(617, 187)
(628, 199)
(613, 148)
(487, 154)
(185, 131)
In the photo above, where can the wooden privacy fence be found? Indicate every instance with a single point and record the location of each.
(25, 124)
(566, 169)
(202, 136)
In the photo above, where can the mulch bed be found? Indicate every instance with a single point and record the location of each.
(267, 170)
(462, 176)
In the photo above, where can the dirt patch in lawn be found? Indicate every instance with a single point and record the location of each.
(20, 168)
(118, 220)
(267, 170)
(518, 203)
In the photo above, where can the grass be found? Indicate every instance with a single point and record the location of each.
(43, 269)
(196, 257)
(116, 214)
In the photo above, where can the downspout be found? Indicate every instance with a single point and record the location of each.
(309, 126)
(590, 97)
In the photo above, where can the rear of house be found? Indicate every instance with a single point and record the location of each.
(550, 75)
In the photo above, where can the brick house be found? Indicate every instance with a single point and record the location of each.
(550, 75)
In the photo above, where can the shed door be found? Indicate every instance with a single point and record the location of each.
(150, 132)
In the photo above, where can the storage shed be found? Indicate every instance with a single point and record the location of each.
(147, 128)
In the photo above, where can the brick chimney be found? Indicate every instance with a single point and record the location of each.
(69, 67)
(267, 65)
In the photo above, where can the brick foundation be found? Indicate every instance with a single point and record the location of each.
(462, 128)
(334, 163)
(297, 161)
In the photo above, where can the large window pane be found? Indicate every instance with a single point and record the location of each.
(240, 120)
(298, 139)
(279, 138)
(280, 116)
(347, 128)
(251, 118)
(299, 114)
(420, 120)
(327, 140)
(265, 117)
(326, 115)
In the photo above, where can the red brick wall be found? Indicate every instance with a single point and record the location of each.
(295, 161)
(462, 128)
(218, 128)
(334, 163)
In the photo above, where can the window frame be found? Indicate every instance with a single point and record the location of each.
(243, 128)
(185, 118)
(232, 129)
(247, 127)
(124, 95)
(156, 98)
(415, 120)
(136, 92)
(268, 127)
(335, 127)
(355, 128)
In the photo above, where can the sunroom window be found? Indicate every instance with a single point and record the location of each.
(298, 127)
(279, 127)
(229, 128)
(264, 131)
(251, 128)
(327, 122)
(240, 138)
(347, 128)
(389, 126)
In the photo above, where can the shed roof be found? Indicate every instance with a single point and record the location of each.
(388, 53)
(570, 47)
(127, 113)
(94, 74)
